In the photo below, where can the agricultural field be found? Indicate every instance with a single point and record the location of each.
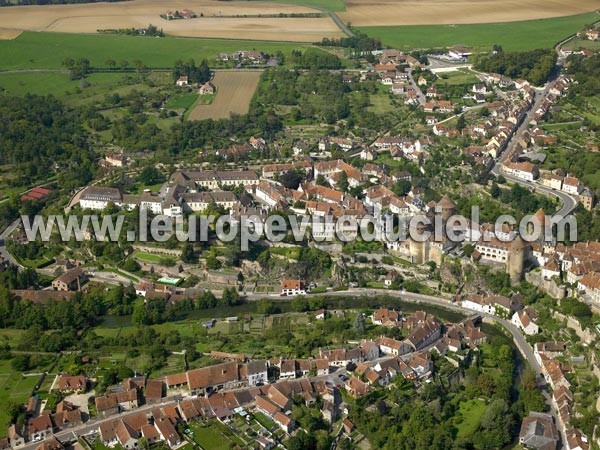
(234, 92)
(81, 92)
(215, 19)
(512, 36)
(6, 33)
(331, 5)
(48, 50)
(411, 12)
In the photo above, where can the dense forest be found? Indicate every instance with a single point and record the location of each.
(360, 43)
(535, 65)
(315, 59)
(317, 95)
(587, 73)
(40, 135)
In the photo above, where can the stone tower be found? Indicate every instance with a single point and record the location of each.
(446, 207)
(515, 262)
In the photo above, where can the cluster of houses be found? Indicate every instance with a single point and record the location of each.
(513, 165)
(183, 14)
(578, 265)
(206, 88)
(553, 370)
(560, 181)
(392, 70)
(237, 384)
(253, 57)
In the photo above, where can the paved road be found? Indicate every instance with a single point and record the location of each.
(339, 22)
(420, 96)
(5, 234)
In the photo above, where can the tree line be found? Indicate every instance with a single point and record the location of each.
(534, 65)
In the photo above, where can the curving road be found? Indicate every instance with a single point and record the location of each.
(524, 348)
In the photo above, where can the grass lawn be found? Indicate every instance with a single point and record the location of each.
(265, 421)
(11, 335)
(457, 77)
(574, 125)
(512, 36)
(182, 101)
(36, 263)
(48, 50)
(471, 414)
(381, 103)
(98, 445)
(149, 257)
(209, 438)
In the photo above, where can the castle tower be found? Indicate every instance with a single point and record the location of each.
(447, 208)
(515, 262)
(418, 248)
(541, 217)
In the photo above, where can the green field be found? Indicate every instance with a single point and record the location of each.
(48, 50)
(331, 5)
(182, 101)
(512, 36)
(93, 88)
(457, 77)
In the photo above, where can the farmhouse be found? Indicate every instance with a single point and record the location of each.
(221, 376)
(40, 427)
(479, 88)
(524, 319)
(182, 81)
(391, 346)
(207, 89)
(70, 281)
